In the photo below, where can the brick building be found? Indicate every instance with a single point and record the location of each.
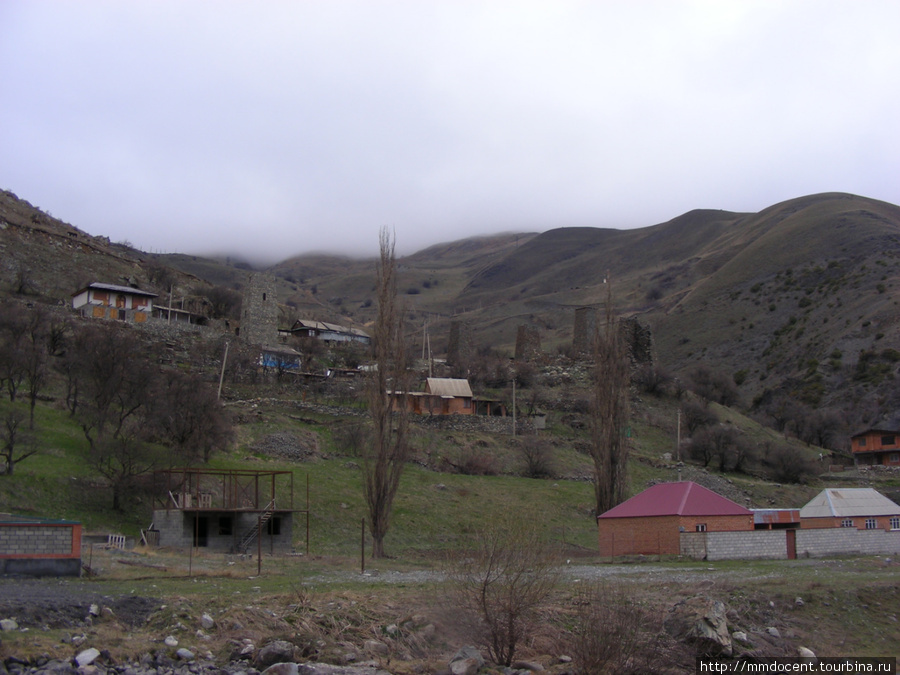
(857, 508)
(651, 523)
(876, 446)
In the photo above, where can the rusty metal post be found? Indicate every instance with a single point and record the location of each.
(362, 547)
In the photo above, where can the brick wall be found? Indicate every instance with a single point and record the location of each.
(661, 534)
(39, 540)
(859, 523)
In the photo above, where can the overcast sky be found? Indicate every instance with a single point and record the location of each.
(270, 129)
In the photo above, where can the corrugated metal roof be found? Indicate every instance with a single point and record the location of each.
(447, 386)
(118, 289)
(849, 503)
(676, 499)
(333, 327)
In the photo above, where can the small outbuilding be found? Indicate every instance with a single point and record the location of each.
(39, 547)
(651, 523)
(857, 508)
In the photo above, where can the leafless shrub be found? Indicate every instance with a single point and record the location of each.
(789, 465)
(652, 378)
(537, 456)
(471, 461)
(613, 634)
(500, 587)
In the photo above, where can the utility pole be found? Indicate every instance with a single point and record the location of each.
(514, 407)
(678, 438)
(222, 374)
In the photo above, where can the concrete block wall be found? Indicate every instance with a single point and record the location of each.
(36, 540)
(756, 544)
(818, 543)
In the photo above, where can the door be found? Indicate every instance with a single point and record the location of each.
(791, 538)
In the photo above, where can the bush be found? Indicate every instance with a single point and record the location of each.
(500, 587)
(612, 634)
(537, 455)
(789, 465)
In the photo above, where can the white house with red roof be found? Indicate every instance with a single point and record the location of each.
(651, 523)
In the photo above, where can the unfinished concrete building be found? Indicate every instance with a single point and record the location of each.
(229, 510)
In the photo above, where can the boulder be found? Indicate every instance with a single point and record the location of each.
(207, 622)
(8, 624)
(87, 657)
(467, 661)
(700, 621)
(277, 651)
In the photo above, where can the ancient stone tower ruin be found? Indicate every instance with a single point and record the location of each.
(259, 311)
(459, 347)
(585, 326)
(637, 337)
(528, 343)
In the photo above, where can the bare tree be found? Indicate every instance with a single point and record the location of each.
(16, 444)
(385, 455)
(609, 412)
(501, 586)
(188, 417)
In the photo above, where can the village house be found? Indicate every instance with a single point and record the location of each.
(876, 446)
(327, 332)
(857, 508)
(651, 523)
(108, 301)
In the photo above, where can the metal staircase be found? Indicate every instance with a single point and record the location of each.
(251, 534)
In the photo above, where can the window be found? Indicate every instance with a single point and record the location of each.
(895, 522)
(467, 403)
(888, 440)
(871, 524)
(894, 458)
(861, 442)
(701, 527)
(847, 522)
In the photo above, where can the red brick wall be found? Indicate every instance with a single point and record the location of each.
(659, 534)
(859, 523)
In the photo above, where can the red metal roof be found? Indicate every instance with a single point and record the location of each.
(676, 499)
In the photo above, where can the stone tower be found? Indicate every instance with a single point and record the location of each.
(528, 343)
(259, 311)
(585, 327)
(459, 346)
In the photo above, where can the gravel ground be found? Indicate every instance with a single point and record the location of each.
(56, 603)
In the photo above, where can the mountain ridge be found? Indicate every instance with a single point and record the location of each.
(769, 297)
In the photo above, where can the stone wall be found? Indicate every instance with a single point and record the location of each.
(756, 544)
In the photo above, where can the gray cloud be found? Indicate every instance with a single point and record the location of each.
(284, 127)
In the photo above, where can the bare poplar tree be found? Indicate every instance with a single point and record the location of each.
(386, 452)
(609, 413)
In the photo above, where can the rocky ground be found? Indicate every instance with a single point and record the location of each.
(386, 622)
